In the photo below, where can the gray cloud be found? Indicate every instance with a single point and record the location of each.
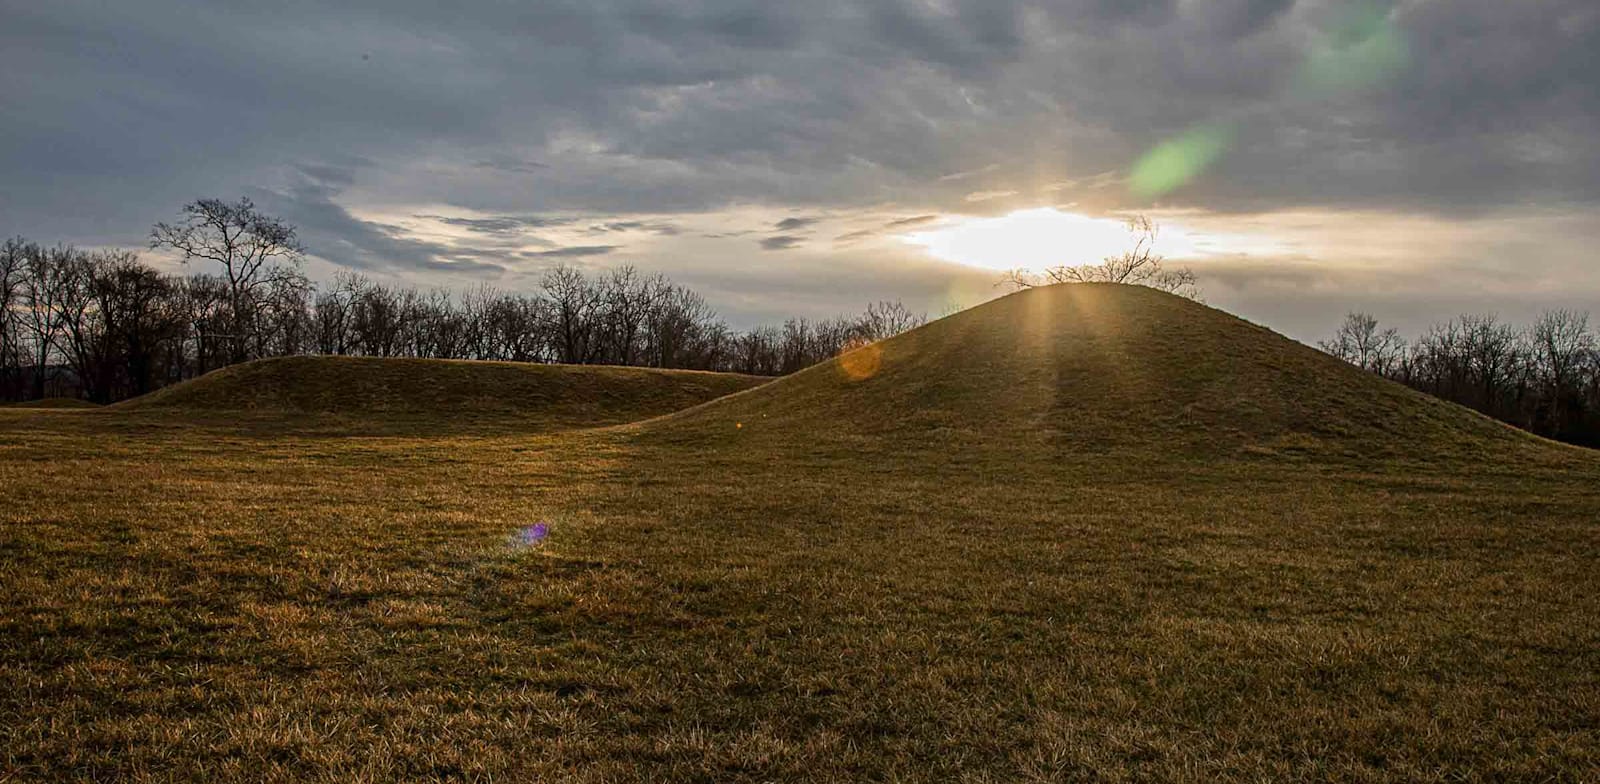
(500, 225)
(792, 224)
(509, 164)
(694, 105)
(658, 228)
(906, 223)
(345, 240)
(898, 224)
(573, 252)
(781, 242)
(601, 113)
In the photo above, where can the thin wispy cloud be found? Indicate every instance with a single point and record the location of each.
(781, 242)
(500, 225)
(574, 252)
(792, 224)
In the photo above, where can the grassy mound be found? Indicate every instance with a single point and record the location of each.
(52, 402)
(1094, 368)
(444, 389)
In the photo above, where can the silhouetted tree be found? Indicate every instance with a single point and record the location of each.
(681, 330)
(574, 302)
(13, 254)
(1140, 265)
(80, 338)
(626, 301)
(756, 352)
(1360, 342)
(886, 319)
(140, 321)
(1564, 352)
(46, 282)
(204, 301)
(118, 322)
(249, 247)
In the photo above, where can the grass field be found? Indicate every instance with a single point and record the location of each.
(1081, 533)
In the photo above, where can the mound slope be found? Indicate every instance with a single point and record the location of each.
(447, 389)
(1098, 367)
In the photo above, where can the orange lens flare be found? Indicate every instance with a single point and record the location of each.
(862, 362)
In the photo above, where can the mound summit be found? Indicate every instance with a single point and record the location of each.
(1096, 368)
(569, 395)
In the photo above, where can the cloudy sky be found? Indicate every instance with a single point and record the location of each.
(1415, 158)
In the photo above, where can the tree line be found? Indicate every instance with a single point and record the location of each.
(105, 326)
(1543, 377)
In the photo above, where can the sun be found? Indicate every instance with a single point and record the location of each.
(1033, 240)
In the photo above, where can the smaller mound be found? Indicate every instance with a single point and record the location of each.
(54, 402)
(445, 390)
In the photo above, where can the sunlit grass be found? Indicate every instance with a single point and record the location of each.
(806, 598)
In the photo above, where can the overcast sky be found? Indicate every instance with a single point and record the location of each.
(1415, 159)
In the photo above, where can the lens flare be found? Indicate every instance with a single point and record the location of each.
(1362, 48)
(531, 536)
(1173, 163)
(861, 363)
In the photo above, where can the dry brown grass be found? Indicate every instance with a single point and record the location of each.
(809, 600)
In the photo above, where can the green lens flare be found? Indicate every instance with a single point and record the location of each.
(1362, 49)
(1175, 162)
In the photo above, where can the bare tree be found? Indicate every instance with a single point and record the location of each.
(626, 301)
(1563, 351)
(476, 306)
(46, 282)
(283, 322)
(756, 352)
(204, 303)
(885, 319)
(677, 329)
(1140, 265)
(440, 330)
(248, 245)
(575, 302)
(1360, 342)
(80, 335)
(13, 256)
(118, 323)
(139, 319)
(380, 319)
(332, 314)
(1496, 356)
(1562, 344)
(518, 328)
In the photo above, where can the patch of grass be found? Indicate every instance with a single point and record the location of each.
(906, 584)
